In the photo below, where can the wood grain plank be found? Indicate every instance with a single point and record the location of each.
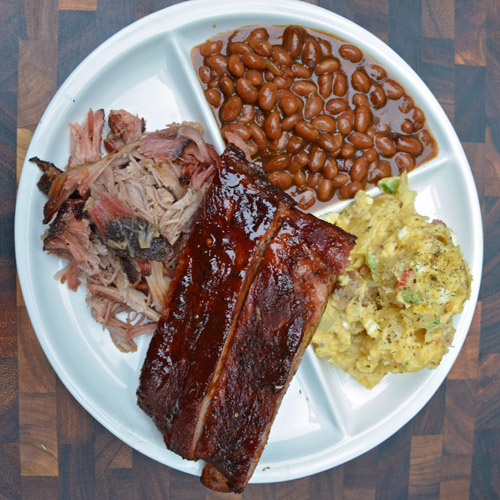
(488, 402)
(110, 452)
(438, 18)
(11, 19)
(470, 114)
(35, 488)
(77, 4)
(455, 477)
(491, 166)
(425, 467)
(485, 481)
(470, 19)
(40, 19)
(10, 477)
(429, 421)
(37, 80)
(8, 152)
(35, 373)
(151, 479)
(328, 484)
(76, 471)
(373, 17)
(185, 486)
(38, 435)
(9, 407)
(24, 137)
(360, 477)
(113, 15)
(458, 429)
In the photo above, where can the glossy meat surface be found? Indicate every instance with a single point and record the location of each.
(240, 213)
(276, 324)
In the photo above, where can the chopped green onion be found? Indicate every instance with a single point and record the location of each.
(371, 262)
(389, 184)
(410, 297)
(433, 324)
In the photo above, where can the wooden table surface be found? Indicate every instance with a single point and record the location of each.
(50, 447)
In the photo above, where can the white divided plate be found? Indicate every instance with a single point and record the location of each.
(326, 418)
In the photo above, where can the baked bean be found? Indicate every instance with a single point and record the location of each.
(307, 131)
(328, 142)
(360, 141)
(406, 104)
(409, 144)
(340, 84)
(231, 108)
(300, 71)
(377, 97)
(393, 90)
(405, 162)
(325, 83)
(211, 48)
(340, 179)
(362, 118)
(330, 169)
(204, 73)
(218, 63)
(418, 118)
(370, 154)
(279, 145)
(213, 83)
(313, 107)
(307, 199)
(283, 82)
(213, 96)
(360, 100)
(325, 123)
(247, 114)
(317, 159)
(290, 121)
(260, 117)
(238, 48)
(345, 122)
(261, 47)
(313, 178)
(304, 87)
(237, 128)
(359, 169)
(347, 150)
(349, 190)
(371, 131)
(252, 148)
(281, 56)
(267, 96)
(325, 46)
(253, 61)
(279, 162)
(272, 126)
(351, 53)
(407, 127)
(301, 159)
(282, 179)
(385, 145)
(425, 137)
(311, 53)
(295, 144)
(324, 190)
(248, 93)
(329, 65)
(378, 170)
(226, 84)
(347, 164)
(376, 72)
(259, 34)
(360, 81)
(235, 65)
(299, 178)
(335, 106)
(293, 40)
(254, 76)
(288, 102)
(269, 76)
(258, 136)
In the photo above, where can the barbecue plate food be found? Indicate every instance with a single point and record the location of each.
(246, 298)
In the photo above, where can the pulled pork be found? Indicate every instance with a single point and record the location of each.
(120, 220)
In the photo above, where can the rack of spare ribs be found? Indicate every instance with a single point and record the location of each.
(248, 292)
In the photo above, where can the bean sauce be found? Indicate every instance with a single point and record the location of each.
(322, 118)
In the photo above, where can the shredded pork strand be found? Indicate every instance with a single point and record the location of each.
(151, 182)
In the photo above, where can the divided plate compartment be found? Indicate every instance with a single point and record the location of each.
(326, 417)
